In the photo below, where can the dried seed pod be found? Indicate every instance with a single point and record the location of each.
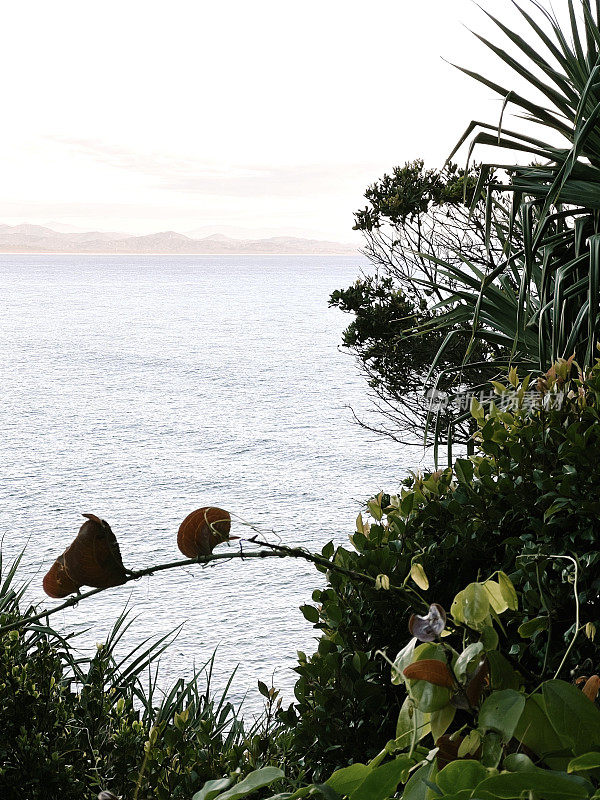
(202, 530)
(57, 582)
(92, 559)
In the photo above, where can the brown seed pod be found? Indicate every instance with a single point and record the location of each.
(202, 530)
(57, 582)
(477, 682)
(92, 559)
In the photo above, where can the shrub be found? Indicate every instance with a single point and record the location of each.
(72, 727)
(527, 502)
(472, 725)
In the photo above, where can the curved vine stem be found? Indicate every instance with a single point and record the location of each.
(132, 575)
(576, 598)
(271, 551)
(297, 552)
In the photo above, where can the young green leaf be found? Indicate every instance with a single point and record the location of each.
(417, 573)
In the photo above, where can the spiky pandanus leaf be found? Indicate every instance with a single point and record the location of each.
(542, 300)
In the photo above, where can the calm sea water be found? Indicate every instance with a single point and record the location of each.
(140, 388)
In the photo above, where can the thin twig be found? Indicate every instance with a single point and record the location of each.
(297, 552)
(132, 576)
(576, 597)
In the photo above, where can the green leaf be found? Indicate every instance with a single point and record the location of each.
(496, 597)
(327, 551)
(407, 503)
(464, 659)
(347, 780)
(502, 675)
(310, 613)
(470, 744)
(419, 782)
(417, 573)
(508, 591)
(253, 781)
(263, 689)
(212, 788)
(375, 509)
(492, 749)
(459, 775)
(477, 410)
(383, 781)
(584, 762)
(518, 762)
(501, 711)
(410, 719)
(463, 469)
(441, 720)
(489, 638)
(304, 791)
(471, 606)
(532, 626)
(572, 715)
(549, 785)
(535, 732)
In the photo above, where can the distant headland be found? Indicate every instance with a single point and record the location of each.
(40, 239)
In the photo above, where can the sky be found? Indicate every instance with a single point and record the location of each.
(248, 118)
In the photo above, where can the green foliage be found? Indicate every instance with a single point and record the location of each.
(235, 791)
(342, 688)
(510, 277)
(526, 502)
(72, 727)
(541, 298)
(410, 191)
(383, 335)
(491, 734)
(505, 734)
(400, 333)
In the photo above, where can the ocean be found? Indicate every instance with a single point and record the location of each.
(140, 388)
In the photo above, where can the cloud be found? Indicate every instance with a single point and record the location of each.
(193, 176)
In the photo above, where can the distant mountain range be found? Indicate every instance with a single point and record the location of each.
(39, 239)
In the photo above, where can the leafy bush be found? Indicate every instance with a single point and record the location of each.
(472, 725)
(526, 502)
(72, 727)
(344, 704)
(415, 219)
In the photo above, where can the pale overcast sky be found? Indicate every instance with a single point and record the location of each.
(225, 115)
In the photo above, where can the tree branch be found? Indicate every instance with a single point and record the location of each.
(273, 551)
(132, 576)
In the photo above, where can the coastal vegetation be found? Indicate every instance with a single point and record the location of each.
(456, 653)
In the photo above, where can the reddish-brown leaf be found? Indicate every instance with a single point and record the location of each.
(477, 682)
(430, 670)
(592, 687)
